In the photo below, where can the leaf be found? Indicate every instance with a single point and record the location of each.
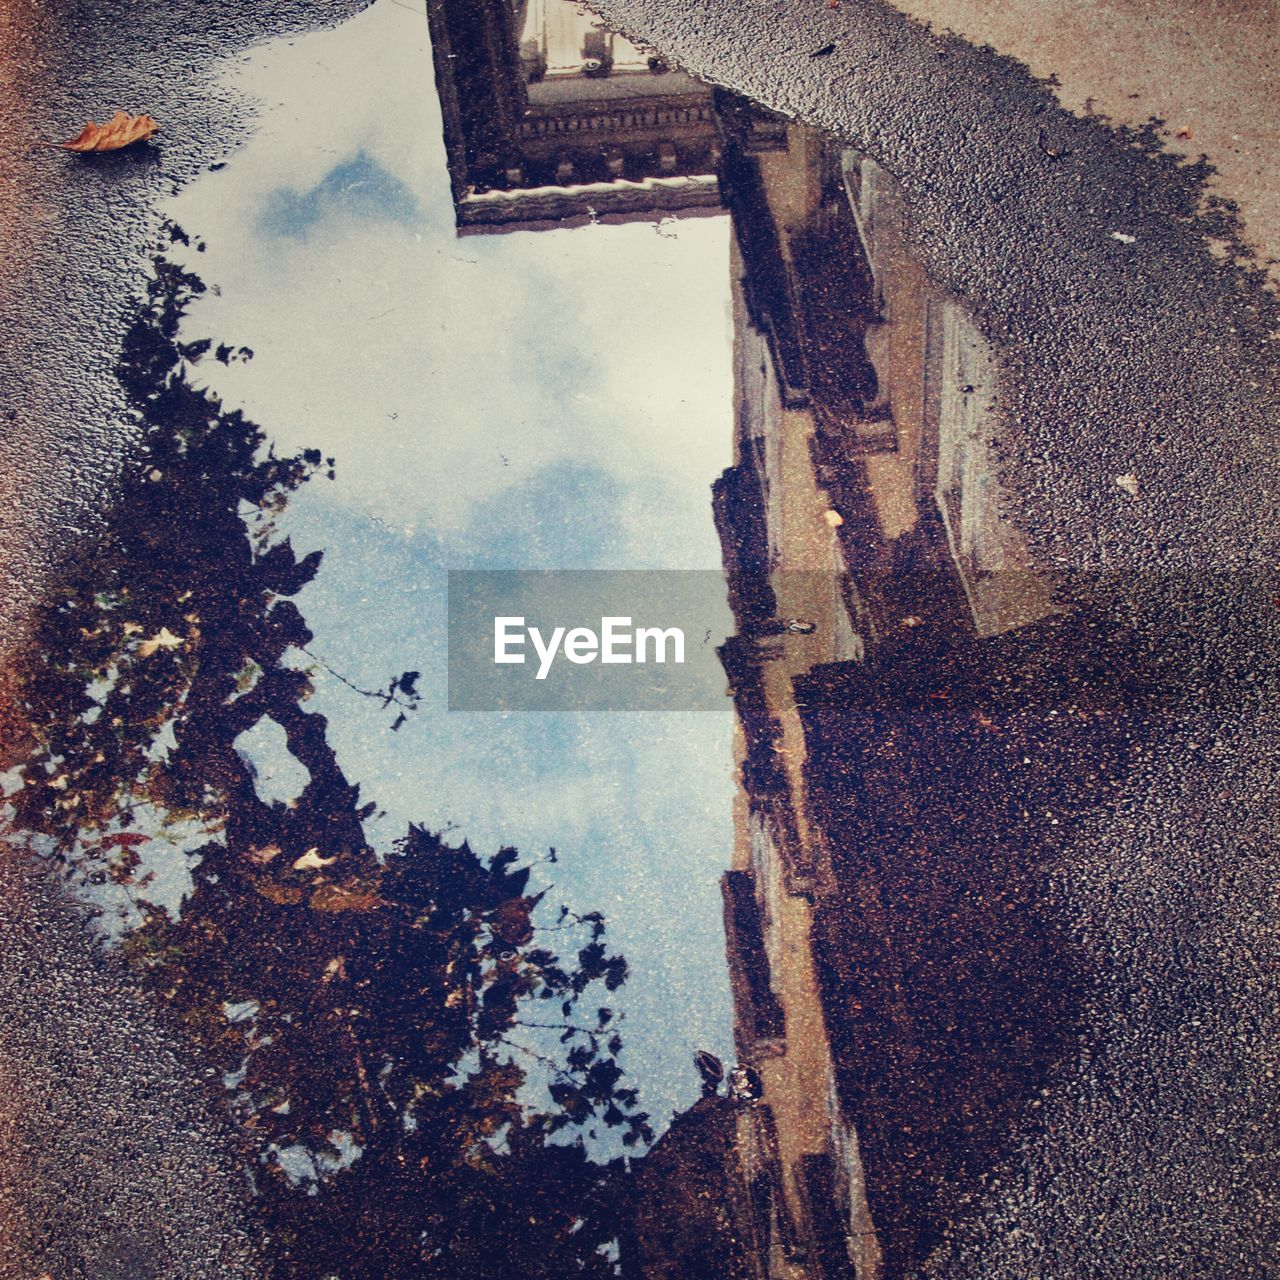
(122, 130)
(312, 861)
(163, 639)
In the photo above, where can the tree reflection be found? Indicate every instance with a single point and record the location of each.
(416, 1070)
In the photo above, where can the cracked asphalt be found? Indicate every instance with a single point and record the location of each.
(1147, 355)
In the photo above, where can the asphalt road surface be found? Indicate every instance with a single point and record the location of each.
(1143, 355)
(111, 1167)
(1139, 354)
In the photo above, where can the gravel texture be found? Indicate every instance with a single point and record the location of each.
(112, 1168)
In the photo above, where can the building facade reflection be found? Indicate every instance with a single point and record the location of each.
(551, 120)
(870, 565)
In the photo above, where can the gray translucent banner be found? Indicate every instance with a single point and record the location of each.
(587, 640)
(619, 640)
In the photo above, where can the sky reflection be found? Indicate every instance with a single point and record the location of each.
(535, 400)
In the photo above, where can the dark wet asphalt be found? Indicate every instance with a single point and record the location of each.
(110, 1168)
(1157, 1154)
(75, 231)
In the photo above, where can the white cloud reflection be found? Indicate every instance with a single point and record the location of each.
(553, 399)
(403, 340)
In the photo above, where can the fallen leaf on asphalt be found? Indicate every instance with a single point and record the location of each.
(163, 639)
(1129, 483)
(122, 130)
(312, 861)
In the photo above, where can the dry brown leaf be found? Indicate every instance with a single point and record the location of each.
(122, 130)
(163, 639)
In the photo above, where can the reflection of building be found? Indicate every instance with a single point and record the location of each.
(550, 119)
(862, 532)
(793, 603)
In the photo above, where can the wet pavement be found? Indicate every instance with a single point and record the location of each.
(64, 312)
(1139, 353)
(1053, 1032)
(113, 1164)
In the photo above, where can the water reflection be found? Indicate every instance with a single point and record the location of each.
(238, 738)
(522, 401)
(415, 1018)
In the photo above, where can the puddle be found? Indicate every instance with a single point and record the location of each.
(558, 400)
(564, 992)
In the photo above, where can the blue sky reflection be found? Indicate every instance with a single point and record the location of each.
(557, 400)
